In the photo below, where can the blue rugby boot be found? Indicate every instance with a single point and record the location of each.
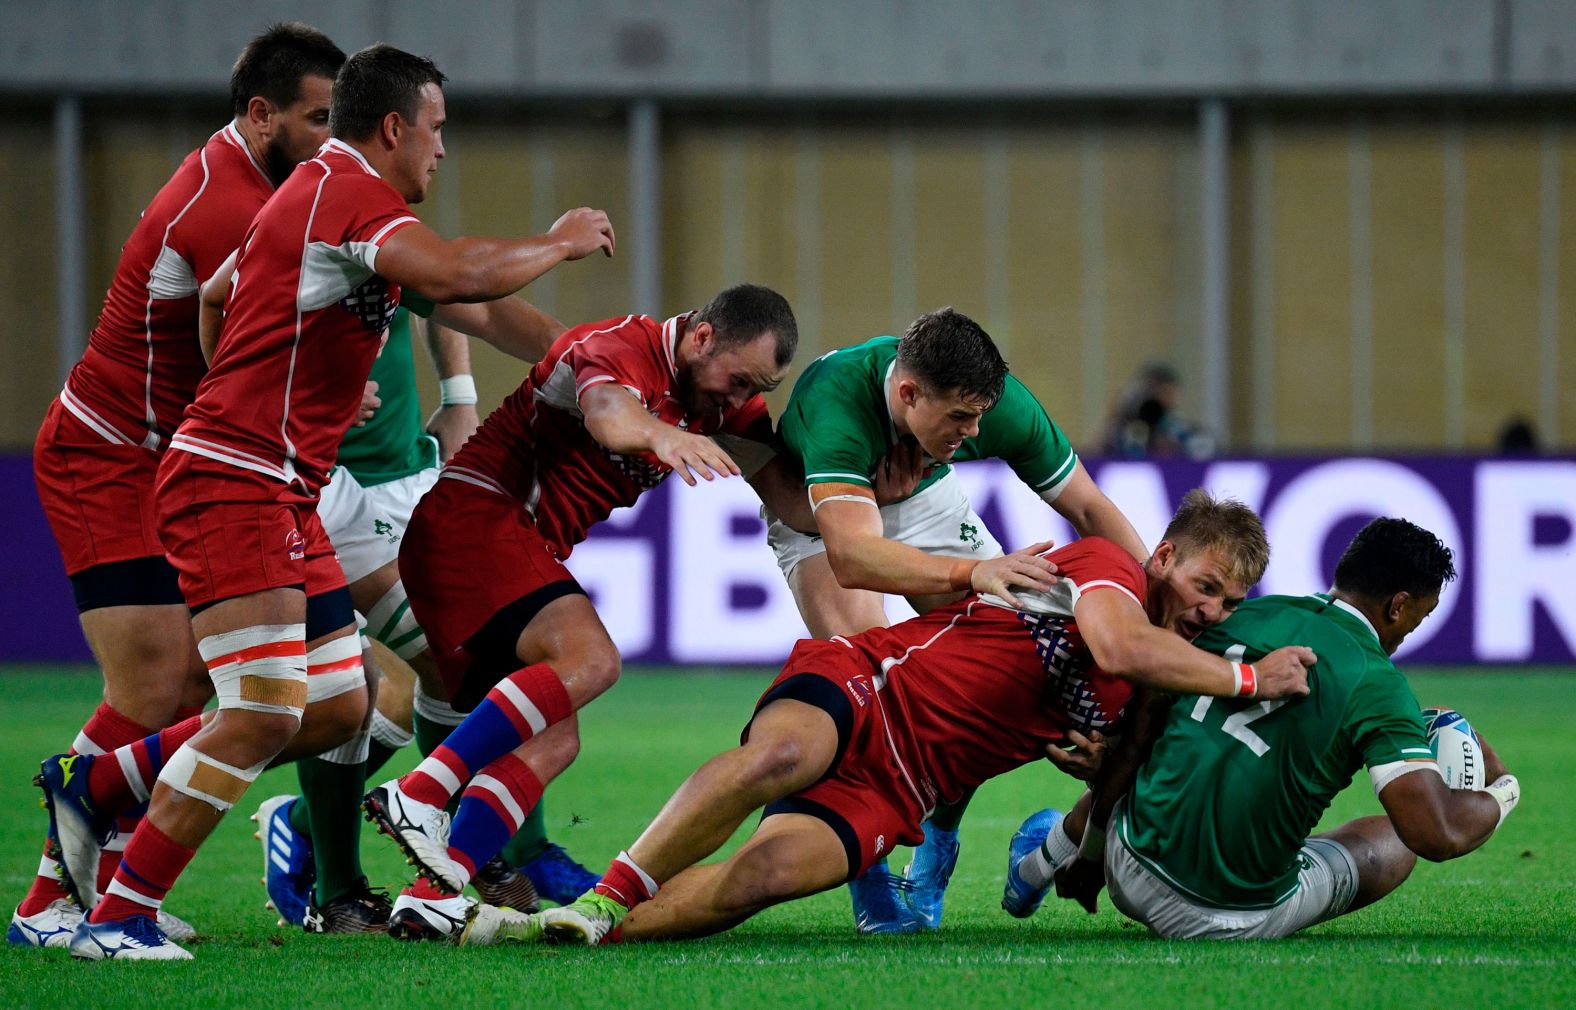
(880, 900)
(76, 822)
(132, 939)
(928, 873)
(557, 877)
(1018, 896)
(288, 870)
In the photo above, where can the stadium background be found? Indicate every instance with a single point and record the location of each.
(1351, 226)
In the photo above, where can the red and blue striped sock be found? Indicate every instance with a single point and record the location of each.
(492, 808)
(521, 706)
(125, 777)
(150, 867)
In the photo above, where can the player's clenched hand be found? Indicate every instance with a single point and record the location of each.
(1023, 569)
(451, 425)
(583, 231)
(899, 472)
(1083, 762)
(1284, 672)
(690, 455)
(369, 404)
(1079, 879)
(1493, 767)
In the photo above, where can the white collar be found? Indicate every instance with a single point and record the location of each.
(233, 134)
(335, 144)
(1355, 613)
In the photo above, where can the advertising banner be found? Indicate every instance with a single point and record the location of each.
(685, 577)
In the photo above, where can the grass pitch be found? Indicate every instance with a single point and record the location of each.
(1496, 928)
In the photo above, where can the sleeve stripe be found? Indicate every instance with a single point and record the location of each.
(852, 477)
(383, 232)
(1425, 751)
(1108, 584)
(593, 381)
(1054, 482)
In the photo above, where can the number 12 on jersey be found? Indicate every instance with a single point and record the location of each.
(1236, 724)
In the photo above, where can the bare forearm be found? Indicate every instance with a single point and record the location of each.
(450, 350)
(487, 268)
(514, 326)
(1101, 518)
(210, 321)
(886, 566)
(1158, 659)
(622, 427)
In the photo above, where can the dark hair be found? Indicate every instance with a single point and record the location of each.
(1390, 556)
(1204, 522)
(374, 82)
(742, 313)
(946, 351)
(273, 64)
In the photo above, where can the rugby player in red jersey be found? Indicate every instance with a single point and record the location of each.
(613, 409)
(99, 447)
(319, 275)
(859, 738)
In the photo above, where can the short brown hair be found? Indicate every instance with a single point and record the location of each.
(273, 64)
(1204, 522)
(374, 82)
(947, 352)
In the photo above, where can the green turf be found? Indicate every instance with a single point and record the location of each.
(1494, 929)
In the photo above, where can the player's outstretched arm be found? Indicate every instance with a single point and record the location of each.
(1092, 514)
(513, 325)
(1124, 644)
(456, 418)
(618, 421)
(863, 558)
(210, 306)
(1440, 823)
(780, 485)
(478, 269)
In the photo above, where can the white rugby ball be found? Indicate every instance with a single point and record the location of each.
(1456, 748)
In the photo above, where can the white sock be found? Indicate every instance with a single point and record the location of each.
(1039, 866)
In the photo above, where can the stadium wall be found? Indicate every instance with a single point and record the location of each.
(686, 577)
(1397, 275)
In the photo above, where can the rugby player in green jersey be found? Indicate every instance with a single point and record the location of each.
(940, 394)
(1211, 840)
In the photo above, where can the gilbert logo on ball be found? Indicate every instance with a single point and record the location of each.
(1456, 748)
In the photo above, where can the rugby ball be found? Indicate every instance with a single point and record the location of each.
(1456, 748)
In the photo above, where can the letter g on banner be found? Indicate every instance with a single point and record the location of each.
(1299, 520)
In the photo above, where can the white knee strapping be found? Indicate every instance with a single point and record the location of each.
(191, 772)
(435, 709)
(391, 622)
(334, 668)
(259, 669)
(388, 733)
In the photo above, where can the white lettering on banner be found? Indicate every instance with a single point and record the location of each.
(1515, 574)
(619, 574)
(1247, 481)
(709, 561)
(1299, 520)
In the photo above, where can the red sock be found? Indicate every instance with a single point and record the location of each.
(625, 882)
(126, 777)
(150, 867)
(105, 730)
(109, 857)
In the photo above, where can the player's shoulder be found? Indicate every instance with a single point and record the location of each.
(846, 367)
(1094, 558)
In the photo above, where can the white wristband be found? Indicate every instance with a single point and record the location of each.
(1507, 793)
(1092, 845)
(457, 391)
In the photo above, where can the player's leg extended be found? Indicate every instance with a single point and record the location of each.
(255, 648)
(790, 856)
(1043, 842)
(829, 609)
(569, 661)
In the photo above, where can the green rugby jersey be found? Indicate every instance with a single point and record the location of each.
(1234, 786)
(839, 425)
(394, 443)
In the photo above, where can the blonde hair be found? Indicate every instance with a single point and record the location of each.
(1204, 522)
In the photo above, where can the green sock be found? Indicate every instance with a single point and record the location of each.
(333, 800)
(429, 734)
(948, 816)
(378, 755)
(529, 842)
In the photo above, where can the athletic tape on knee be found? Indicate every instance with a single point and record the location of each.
(388, 733)
(334, 668)
(351, 752)
(391, 622)
(435, 709)
(259, 669)
(191, 772)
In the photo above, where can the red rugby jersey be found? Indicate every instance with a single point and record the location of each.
(143, 362)
(535, 446)
(307, 316)
(977, 688)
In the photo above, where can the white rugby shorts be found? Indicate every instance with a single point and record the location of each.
(365, 524)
